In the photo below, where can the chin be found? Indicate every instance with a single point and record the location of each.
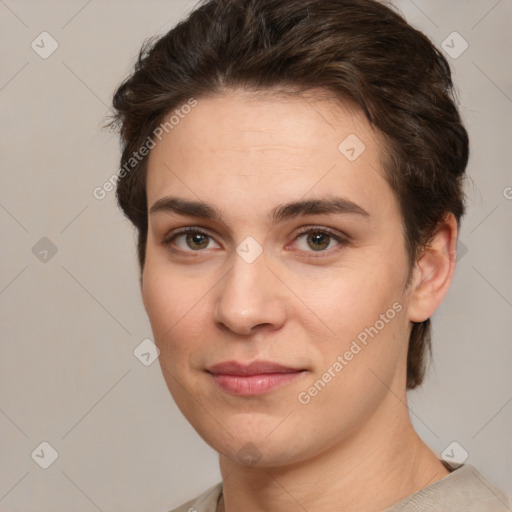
(261, 447)
(258, 453)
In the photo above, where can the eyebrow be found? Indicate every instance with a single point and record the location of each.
(329, 206)
(185, 207)
(335, 205)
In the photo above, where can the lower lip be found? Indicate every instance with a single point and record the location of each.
(253, 384)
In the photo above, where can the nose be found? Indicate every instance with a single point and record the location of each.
(250, 298)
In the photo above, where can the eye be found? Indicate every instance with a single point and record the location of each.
(315, 239)
(190, 239)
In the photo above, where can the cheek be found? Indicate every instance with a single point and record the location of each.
(362, 309)
(179, 312)
(166, 299)
(350, 298)
(165, 290)
(357, 369)
(158, 297)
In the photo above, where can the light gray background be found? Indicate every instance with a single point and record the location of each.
(68, 375)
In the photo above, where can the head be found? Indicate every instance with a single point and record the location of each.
(256, 118)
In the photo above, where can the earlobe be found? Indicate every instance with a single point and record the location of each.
(434, 271)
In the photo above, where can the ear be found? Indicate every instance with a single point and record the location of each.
(433, 271)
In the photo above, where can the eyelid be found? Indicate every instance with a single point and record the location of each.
(170, 237)
(341, 238)
(323, 229)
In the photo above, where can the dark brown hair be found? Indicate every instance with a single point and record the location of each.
(360, 50)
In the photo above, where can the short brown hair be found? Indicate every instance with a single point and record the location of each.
(360, 50)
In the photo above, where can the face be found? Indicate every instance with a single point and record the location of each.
(275, 240)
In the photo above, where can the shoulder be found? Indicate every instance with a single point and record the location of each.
(463, 490)
(205, 502)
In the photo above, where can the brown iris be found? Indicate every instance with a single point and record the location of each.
(318, 241)
(197, 241)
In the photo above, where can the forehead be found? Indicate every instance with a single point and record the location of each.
(258, 149)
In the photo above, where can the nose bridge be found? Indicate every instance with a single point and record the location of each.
(249, 295)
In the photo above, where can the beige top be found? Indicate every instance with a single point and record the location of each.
(463, 490)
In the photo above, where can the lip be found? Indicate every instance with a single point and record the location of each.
(255, 378)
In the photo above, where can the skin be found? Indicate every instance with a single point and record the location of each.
(352, 447)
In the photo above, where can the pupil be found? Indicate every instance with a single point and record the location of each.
(197, 241)
(318, 240)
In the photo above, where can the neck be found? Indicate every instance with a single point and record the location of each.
(382, 463)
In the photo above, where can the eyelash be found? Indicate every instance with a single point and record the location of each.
(167, 241)
(342, 241)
